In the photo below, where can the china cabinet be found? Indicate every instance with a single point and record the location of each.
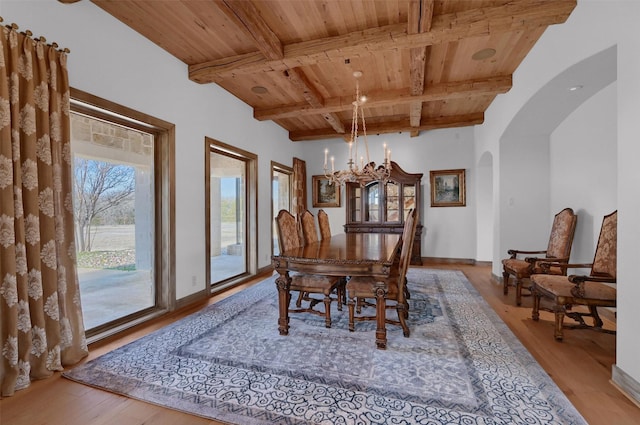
(382, 208)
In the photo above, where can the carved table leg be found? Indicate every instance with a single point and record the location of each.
(283, 283)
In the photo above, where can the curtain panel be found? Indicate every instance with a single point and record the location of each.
(41, 325)
(299, 187)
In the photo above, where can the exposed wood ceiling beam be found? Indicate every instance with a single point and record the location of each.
(245, 15)
(313, 98)
(514, 16)
(394, 127)
(419, 21)
(489, 87)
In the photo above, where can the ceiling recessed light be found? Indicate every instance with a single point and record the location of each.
(483, 54)
(259, 89)
(574, 88)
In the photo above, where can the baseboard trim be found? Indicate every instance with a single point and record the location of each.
(626, 384)
(467, 261)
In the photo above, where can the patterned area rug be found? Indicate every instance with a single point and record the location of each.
(461, 365)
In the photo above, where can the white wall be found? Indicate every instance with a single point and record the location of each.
(111, 61)
(584, 168)
(593, 27)
(627, 15)
(449, 232)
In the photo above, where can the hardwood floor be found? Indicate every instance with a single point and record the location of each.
(580, 366)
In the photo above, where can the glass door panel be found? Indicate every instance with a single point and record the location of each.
(281, 181)
(372, 193)
(114, 216)
(393, 203)
(228, 197)
(409, 191)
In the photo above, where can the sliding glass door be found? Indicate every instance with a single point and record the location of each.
(228, 214)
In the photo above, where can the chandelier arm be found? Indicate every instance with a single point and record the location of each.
(367, 172)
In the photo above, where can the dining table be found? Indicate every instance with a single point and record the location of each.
(344, 254)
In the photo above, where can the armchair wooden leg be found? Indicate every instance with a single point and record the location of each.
(505, 283)
(559, 313)
(597, 321)
(535, 313)
(518, 282)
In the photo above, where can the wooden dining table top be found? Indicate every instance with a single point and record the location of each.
(345, 249)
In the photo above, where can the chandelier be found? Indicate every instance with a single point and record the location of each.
(363, 172)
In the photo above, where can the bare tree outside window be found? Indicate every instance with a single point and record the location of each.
(102, 193)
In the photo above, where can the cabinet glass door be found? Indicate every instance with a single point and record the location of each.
(409, 192)
(392, 206)
(372, 205)
(356, 204)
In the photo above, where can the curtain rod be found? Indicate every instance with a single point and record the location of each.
(29, 34)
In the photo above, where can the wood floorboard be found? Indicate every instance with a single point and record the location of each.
(580, 366)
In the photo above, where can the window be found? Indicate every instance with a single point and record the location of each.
(231, 194)
(281, 183)
(122, 179)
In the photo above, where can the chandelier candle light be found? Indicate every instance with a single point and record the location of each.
(365, 172)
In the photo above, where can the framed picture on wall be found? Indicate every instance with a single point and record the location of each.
(325, 195)
(447, 188)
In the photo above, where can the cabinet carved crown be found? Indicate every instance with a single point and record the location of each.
(382, 207)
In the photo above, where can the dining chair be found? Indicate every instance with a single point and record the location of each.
(389, 292)
(558, 251)
(288, 238)
(308, 225)
(593, 291)
(323, 224)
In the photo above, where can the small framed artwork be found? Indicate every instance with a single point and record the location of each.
(325, 195)
(447, 188)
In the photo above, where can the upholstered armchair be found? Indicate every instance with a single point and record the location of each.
(522, 264)
(561, 293)
(307, 284)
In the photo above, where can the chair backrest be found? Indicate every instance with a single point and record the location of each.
(309, 232)
(408, 235)
(323, 224)
(288, 236)
(562, 231)
(606, 256)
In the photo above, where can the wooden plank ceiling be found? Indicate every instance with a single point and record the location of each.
(426, 64)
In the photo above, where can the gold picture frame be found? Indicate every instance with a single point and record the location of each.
(448, 188)
(325, 195)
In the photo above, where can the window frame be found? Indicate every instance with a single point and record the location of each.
(164, 196)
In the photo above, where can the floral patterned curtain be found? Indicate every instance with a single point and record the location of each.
(41, 326)
(299, 198)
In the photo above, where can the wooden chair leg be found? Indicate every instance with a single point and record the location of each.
(518, 282)
(402, 317)
(505, 283)
(558, 334)
(381, 316)
(327, 311)
(351, 304)
(597, 321)
(535, 312)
